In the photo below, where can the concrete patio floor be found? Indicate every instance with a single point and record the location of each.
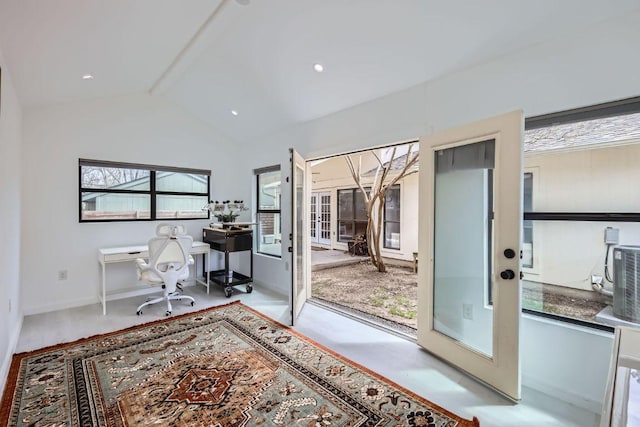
(328, 258)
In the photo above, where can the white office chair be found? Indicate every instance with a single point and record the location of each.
(169, 262)
(168, 229)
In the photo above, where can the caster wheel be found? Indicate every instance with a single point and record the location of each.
(249, 289)
(139, 312)
(168, 313)
(193, 303)
(227, 292)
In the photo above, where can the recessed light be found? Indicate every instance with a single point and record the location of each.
(243, 2)
(234, 112)
(87, 77)
(318, 67)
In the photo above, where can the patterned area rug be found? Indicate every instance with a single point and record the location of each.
(225, 366)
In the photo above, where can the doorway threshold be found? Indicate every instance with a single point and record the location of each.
(385, 325)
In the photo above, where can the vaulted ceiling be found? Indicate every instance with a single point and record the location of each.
(256, 56)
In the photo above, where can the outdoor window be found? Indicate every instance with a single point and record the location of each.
(115, 191)
(392, 218)
(527, 224)
(352, 214)
(585, 163)
(269, 237)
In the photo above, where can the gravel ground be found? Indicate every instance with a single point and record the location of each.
(390, 298)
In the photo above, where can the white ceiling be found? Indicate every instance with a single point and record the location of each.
(212, 56)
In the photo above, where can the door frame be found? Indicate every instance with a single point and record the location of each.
(300, 292)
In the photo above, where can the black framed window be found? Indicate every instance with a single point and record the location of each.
(117, 191)
(583, 162)
(392, 218)
(268, 236)
(352, 214)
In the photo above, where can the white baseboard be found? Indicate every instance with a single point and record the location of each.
(7, 357)
(63, 305)
(572, 397)
(271, 288)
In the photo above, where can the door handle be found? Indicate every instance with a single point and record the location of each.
(290, 249)
(507, 274)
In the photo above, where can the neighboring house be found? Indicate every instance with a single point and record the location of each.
(128, 205)
(584, 167)
(338, 212)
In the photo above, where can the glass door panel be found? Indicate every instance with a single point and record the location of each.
(463, 246)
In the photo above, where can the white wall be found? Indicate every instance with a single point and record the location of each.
(141, 129)
(10, 219)
(586, 68)
(598, 179)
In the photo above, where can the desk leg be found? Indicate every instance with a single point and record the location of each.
(205, 271)
(104, 292)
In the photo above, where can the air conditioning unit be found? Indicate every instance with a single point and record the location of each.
(626, 283)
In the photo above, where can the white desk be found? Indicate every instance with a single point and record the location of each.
(131, 253)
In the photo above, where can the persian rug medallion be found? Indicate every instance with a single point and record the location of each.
(223, 367)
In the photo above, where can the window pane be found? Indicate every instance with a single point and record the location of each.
(392, 235)
(361, 208)
(114, 178)
(570, 256)
(527, 225)
(313, 207)
(392, 204)
(593, 169)
(176, 206)
(345, 204)
(269, 236)
(582, 167)
(181, 182)
(527, 192)
(527, 243)
(345, 231)
(269, 190)
(103, 206)
(361, 228)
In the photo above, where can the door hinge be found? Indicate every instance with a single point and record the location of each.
(290, 249)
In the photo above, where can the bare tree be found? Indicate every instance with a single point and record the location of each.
(100, 177)
(385, 177)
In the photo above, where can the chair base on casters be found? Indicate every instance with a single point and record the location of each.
(167, 298)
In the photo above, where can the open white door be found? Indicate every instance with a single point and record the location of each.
(469, 245)
(300, 246)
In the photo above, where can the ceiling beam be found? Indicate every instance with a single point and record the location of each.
(186, 54)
